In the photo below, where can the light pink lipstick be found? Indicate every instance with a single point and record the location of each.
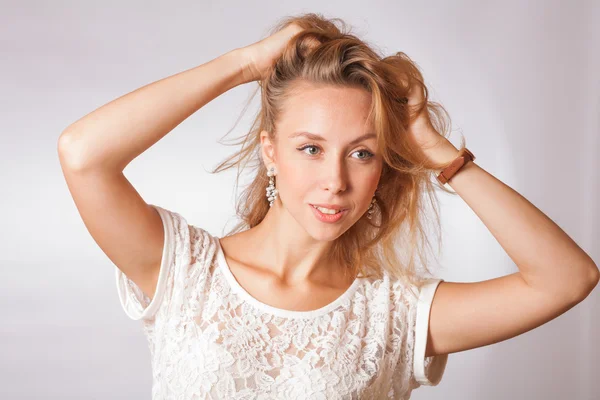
(328, 217)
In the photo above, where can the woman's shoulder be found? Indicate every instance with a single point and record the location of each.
(187, 238)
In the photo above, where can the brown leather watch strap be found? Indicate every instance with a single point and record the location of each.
(464, 157)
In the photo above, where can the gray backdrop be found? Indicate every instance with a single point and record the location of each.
(519, 79)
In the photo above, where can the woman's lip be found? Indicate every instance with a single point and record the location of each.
(330, 208)
(328, 218)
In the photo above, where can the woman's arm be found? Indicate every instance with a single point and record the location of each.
(554, 272)
(94, 151)
(546, 256)
(116, 133)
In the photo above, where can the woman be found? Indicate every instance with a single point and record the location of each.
(316, 294)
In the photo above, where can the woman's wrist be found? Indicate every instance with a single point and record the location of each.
(234, 63)
(242, 60)
(443, 152)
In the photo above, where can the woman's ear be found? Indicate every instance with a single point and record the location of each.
(267, 149)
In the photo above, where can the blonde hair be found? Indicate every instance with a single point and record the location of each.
(325, 54)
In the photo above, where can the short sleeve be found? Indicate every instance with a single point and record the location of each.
(427, 371)
(175, 258)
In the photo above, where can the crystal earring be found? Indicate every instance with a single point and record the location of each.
(371, 210)
(271, 191)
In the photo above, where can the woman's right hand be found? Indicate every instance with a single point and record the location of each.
(259, 56)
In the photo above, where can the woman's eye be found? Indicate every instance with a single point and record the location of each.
(309, 147)
(367, 153)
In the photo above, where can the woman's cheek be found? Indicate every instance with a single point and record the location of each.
(296, 178)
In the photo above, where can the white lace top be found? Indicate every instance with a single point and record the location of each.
(210, 339)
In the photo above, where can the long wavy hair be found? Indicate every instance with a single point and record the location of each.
(327, 53)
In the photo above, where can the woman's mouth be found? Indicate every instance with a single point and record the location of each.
(328, 215)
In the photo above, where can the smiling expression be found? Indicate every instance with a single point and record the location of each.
(325, 154)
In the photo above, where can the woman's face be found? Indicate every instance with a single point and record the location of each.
(325, 153)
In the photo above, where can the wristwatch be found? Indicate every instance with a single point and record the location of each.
(464, 157)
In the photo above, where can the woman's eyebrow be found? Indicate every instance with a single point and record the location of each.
(314, 136)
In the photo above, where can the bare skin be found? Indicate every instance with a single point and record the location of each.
(265, 286)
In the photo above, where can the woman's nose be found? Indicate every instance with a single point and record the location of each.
(334, 179)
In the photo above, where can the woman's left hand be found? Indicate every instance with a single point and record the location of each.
(434, 146)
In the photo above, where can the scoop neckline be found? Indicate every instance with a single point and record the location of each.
(239, 289)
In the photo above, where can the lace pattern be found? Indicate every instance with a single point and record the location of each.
(209, 339)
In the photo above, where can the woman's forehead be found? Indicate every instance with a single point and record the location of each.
(326, 111)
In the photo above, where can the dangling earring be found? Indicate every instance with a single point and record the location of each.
(371, 210)
(271, 191)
